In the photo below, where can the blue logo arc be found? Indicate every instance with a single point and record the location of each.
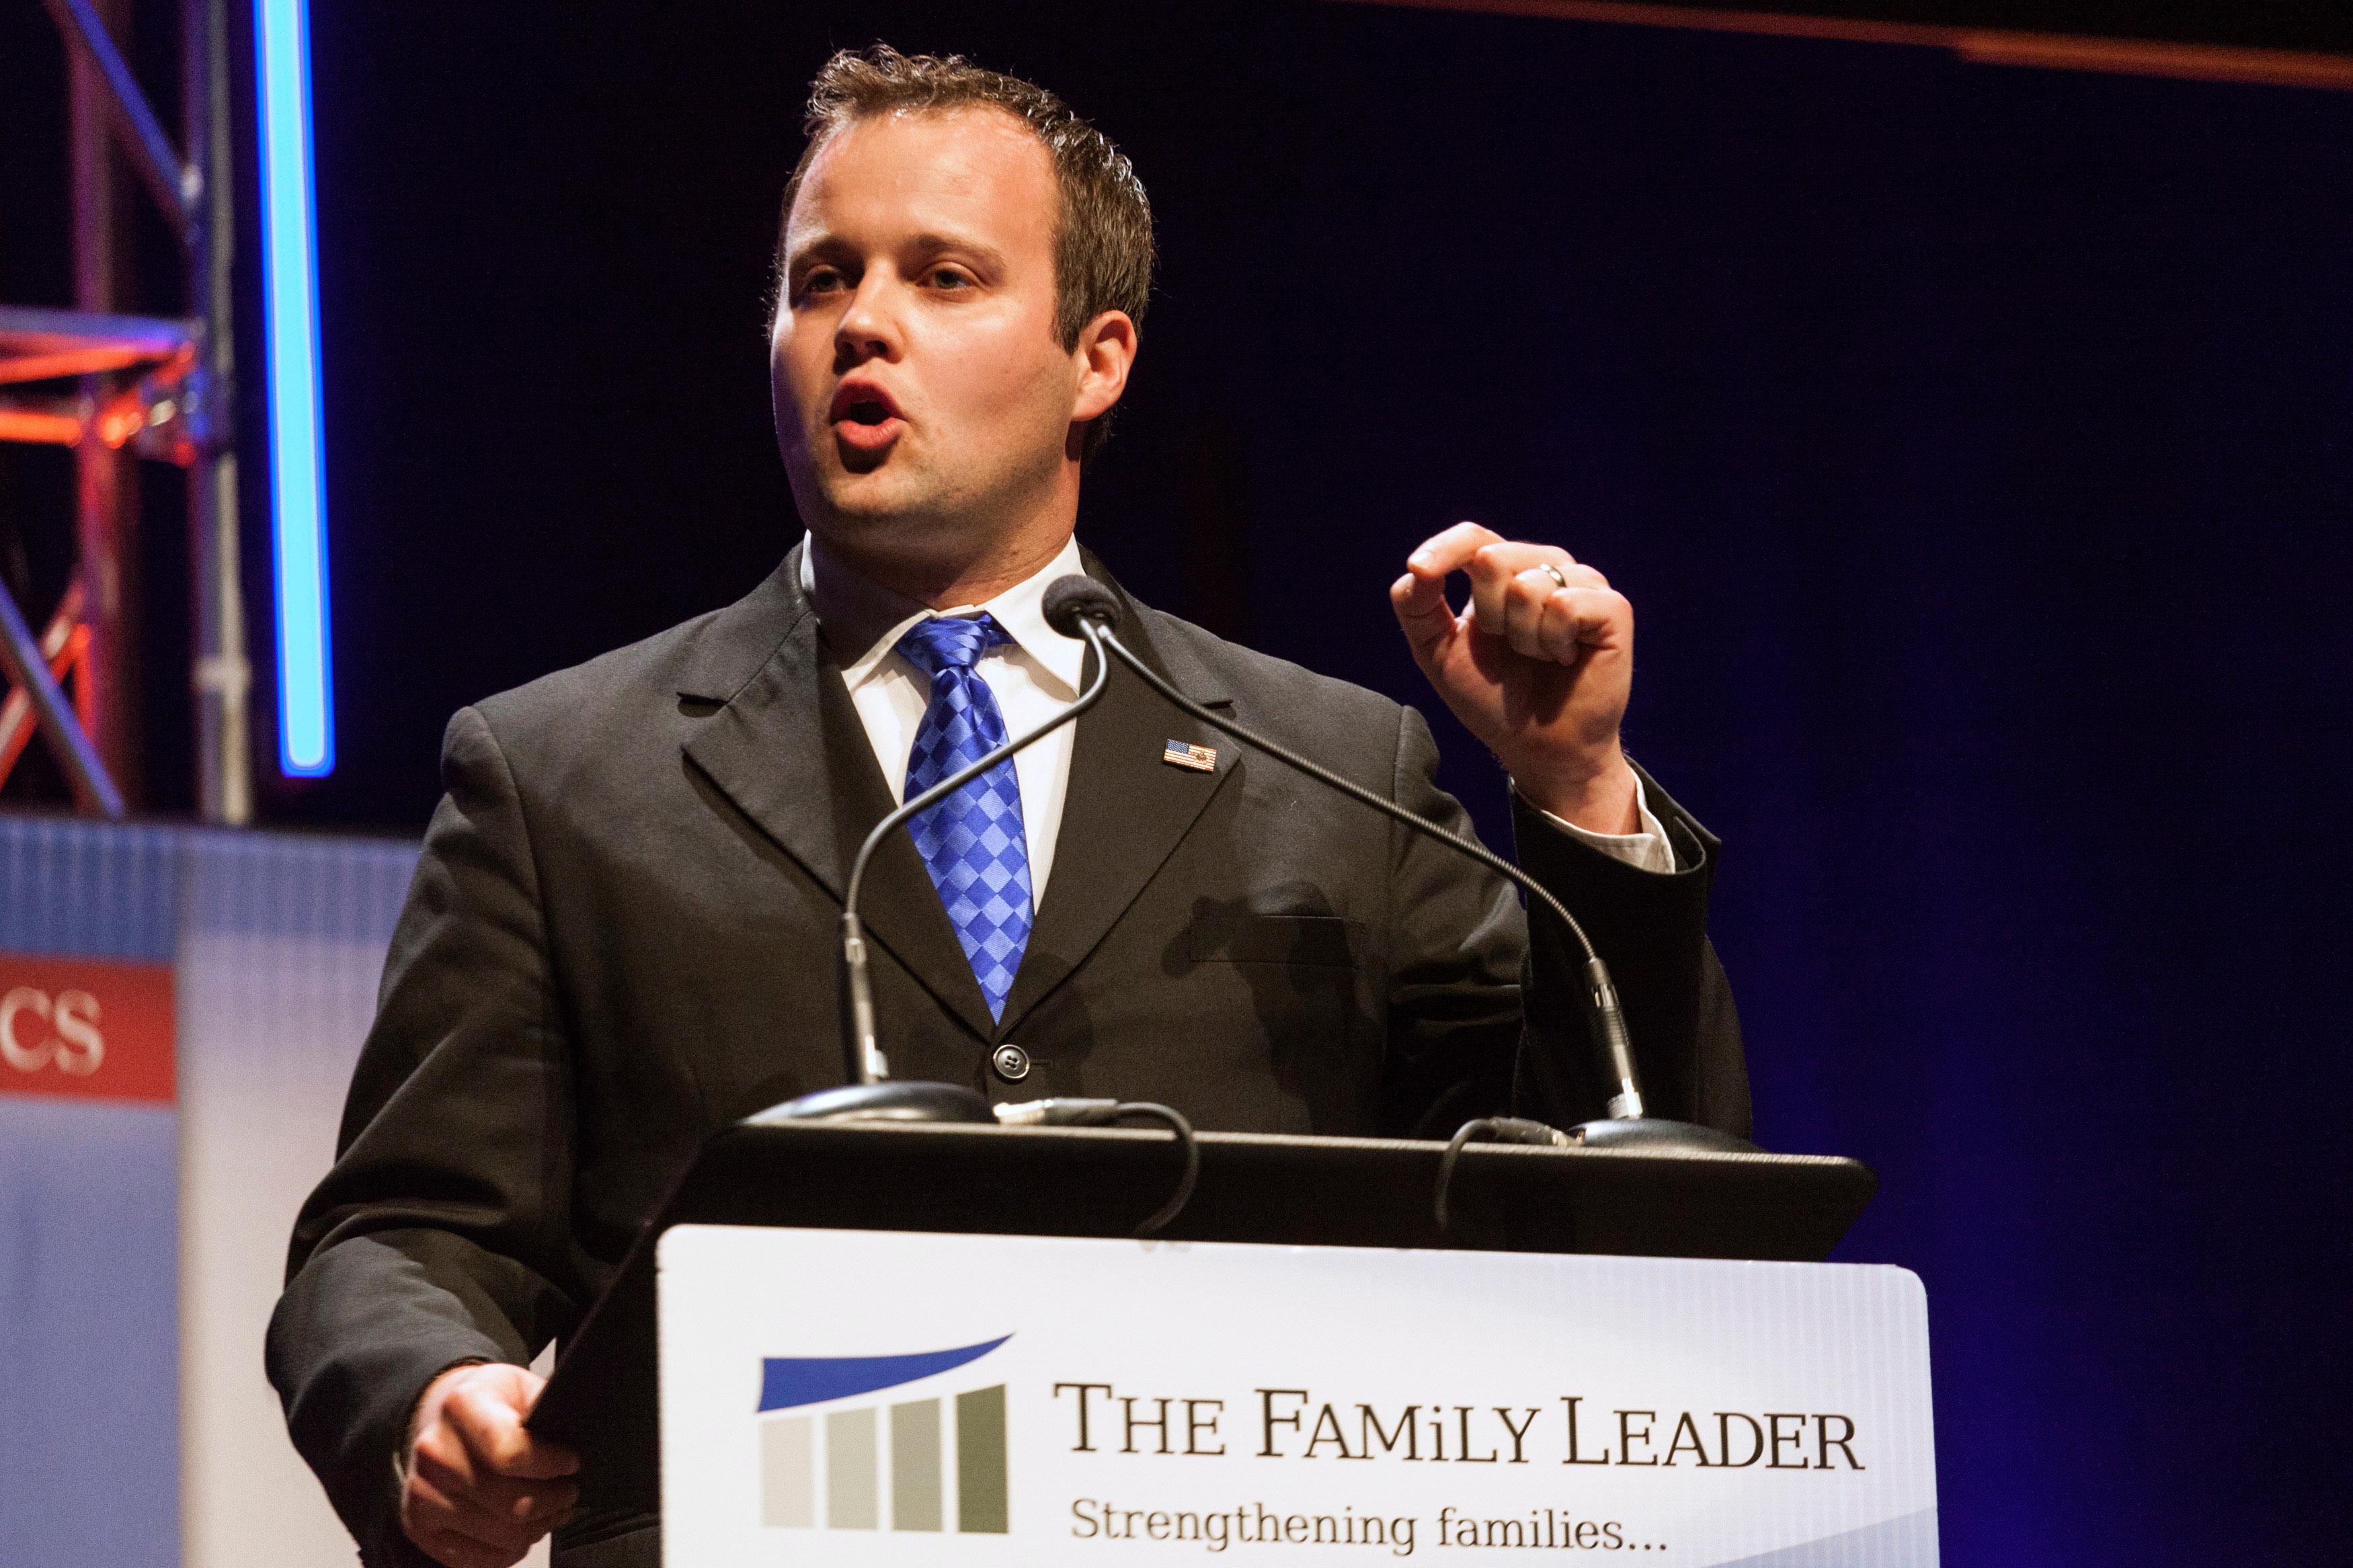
(789, 1381)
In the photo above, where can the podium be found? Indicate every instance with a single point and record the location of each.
(918, 1343)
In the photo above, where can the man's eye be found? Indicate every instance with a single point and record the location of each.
(950, 278)
(821, 280)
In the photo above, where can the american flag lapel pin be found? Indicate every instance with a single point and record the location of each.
(1200, 759)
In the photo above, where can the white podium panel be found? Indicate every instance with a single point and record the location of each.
(885, 1397)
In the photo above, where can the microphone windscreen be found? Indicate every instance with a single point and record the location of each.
(1078, 597)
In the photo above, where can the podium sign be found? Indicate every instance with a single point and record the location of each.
(889, 1397)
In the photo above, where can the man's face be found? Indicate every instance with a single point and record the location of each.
(923, 396)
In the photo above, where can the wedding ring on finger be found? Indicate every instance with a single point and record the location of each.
(1548, 569)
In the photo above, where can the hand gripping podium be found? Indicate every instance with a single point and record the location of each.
(934, 1344)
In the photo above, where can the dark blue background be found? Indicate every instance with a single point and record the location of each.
(1975, 444)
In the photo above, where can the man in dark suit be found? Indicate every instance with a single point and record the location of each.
(620, 933)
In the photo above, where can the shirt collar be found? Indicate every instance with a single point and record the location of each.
(856, 613)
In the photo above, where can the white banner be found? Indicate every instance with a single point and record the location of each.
(882, 1398)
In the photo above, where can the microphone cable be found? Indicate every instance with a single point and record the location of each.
(1073, 1112)
(1490, 1130)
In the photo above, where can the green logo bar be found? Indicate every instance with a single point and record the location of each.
(980, 1462)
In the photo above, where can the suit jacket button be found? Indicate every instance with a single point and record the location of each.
(1011, 1062)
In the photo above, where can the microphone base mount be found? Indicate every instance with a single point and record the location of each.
(1659, 1136)
(892, 1101)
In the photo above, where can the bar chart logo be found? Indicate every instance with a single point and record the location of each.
(913, 1465)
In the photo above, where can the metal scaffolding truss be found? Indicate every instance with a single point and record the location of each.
(116, 388)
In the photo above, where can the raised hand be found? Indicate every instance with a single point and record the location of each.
(1539, 666)
(479, 1490)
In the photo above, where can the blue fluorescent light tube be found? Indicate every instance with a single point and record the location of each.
(298, 478)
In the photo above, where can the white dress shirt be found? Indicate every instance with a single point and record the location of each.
(1033, 677)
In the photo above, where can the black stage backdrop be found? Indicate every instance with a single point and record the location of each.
(1975, 446)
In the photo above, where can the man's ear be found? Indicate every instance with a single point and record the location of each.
(1106, 351)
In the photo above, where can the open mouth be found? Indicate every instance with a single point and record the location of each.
(861, 403)
(865, 420)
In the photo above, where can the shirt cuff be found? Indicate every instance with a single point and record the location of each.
(1645, 851)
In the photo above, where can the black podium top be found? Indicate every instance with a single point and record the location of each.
(1325, 1192)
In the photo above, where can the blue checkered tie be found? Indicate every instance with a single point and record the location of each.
(972, 843)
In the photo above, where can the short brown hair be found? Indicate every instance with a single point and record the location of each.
(1103, 238)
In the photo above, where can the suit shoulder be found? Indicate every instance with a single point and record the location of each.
(589, 737)
(1289, 697)
(622, 680)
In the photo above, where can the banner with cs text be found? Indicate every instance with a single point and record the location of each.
(86, 1029)
(882, 1398)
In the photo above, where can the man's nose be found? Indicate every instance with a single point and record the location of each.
(869, 329)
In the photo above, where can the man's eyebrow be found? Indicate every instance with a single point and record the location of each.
(795, 248)
(980, 249)
(826, 243)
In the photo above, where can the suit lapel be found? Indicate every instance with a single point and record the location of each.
(786, 747)
(1124, 813)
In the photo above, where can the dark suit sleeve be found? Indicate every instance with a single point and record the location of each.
(1486, 1013)
(1651, 928)
(439, 1236)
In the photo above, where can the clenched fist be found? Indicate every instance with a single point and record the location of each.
(480, 1490)
(1538, 665)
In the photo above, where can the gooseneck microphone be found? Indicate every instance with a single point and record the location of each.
(870, 1094)
(1078, 606)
